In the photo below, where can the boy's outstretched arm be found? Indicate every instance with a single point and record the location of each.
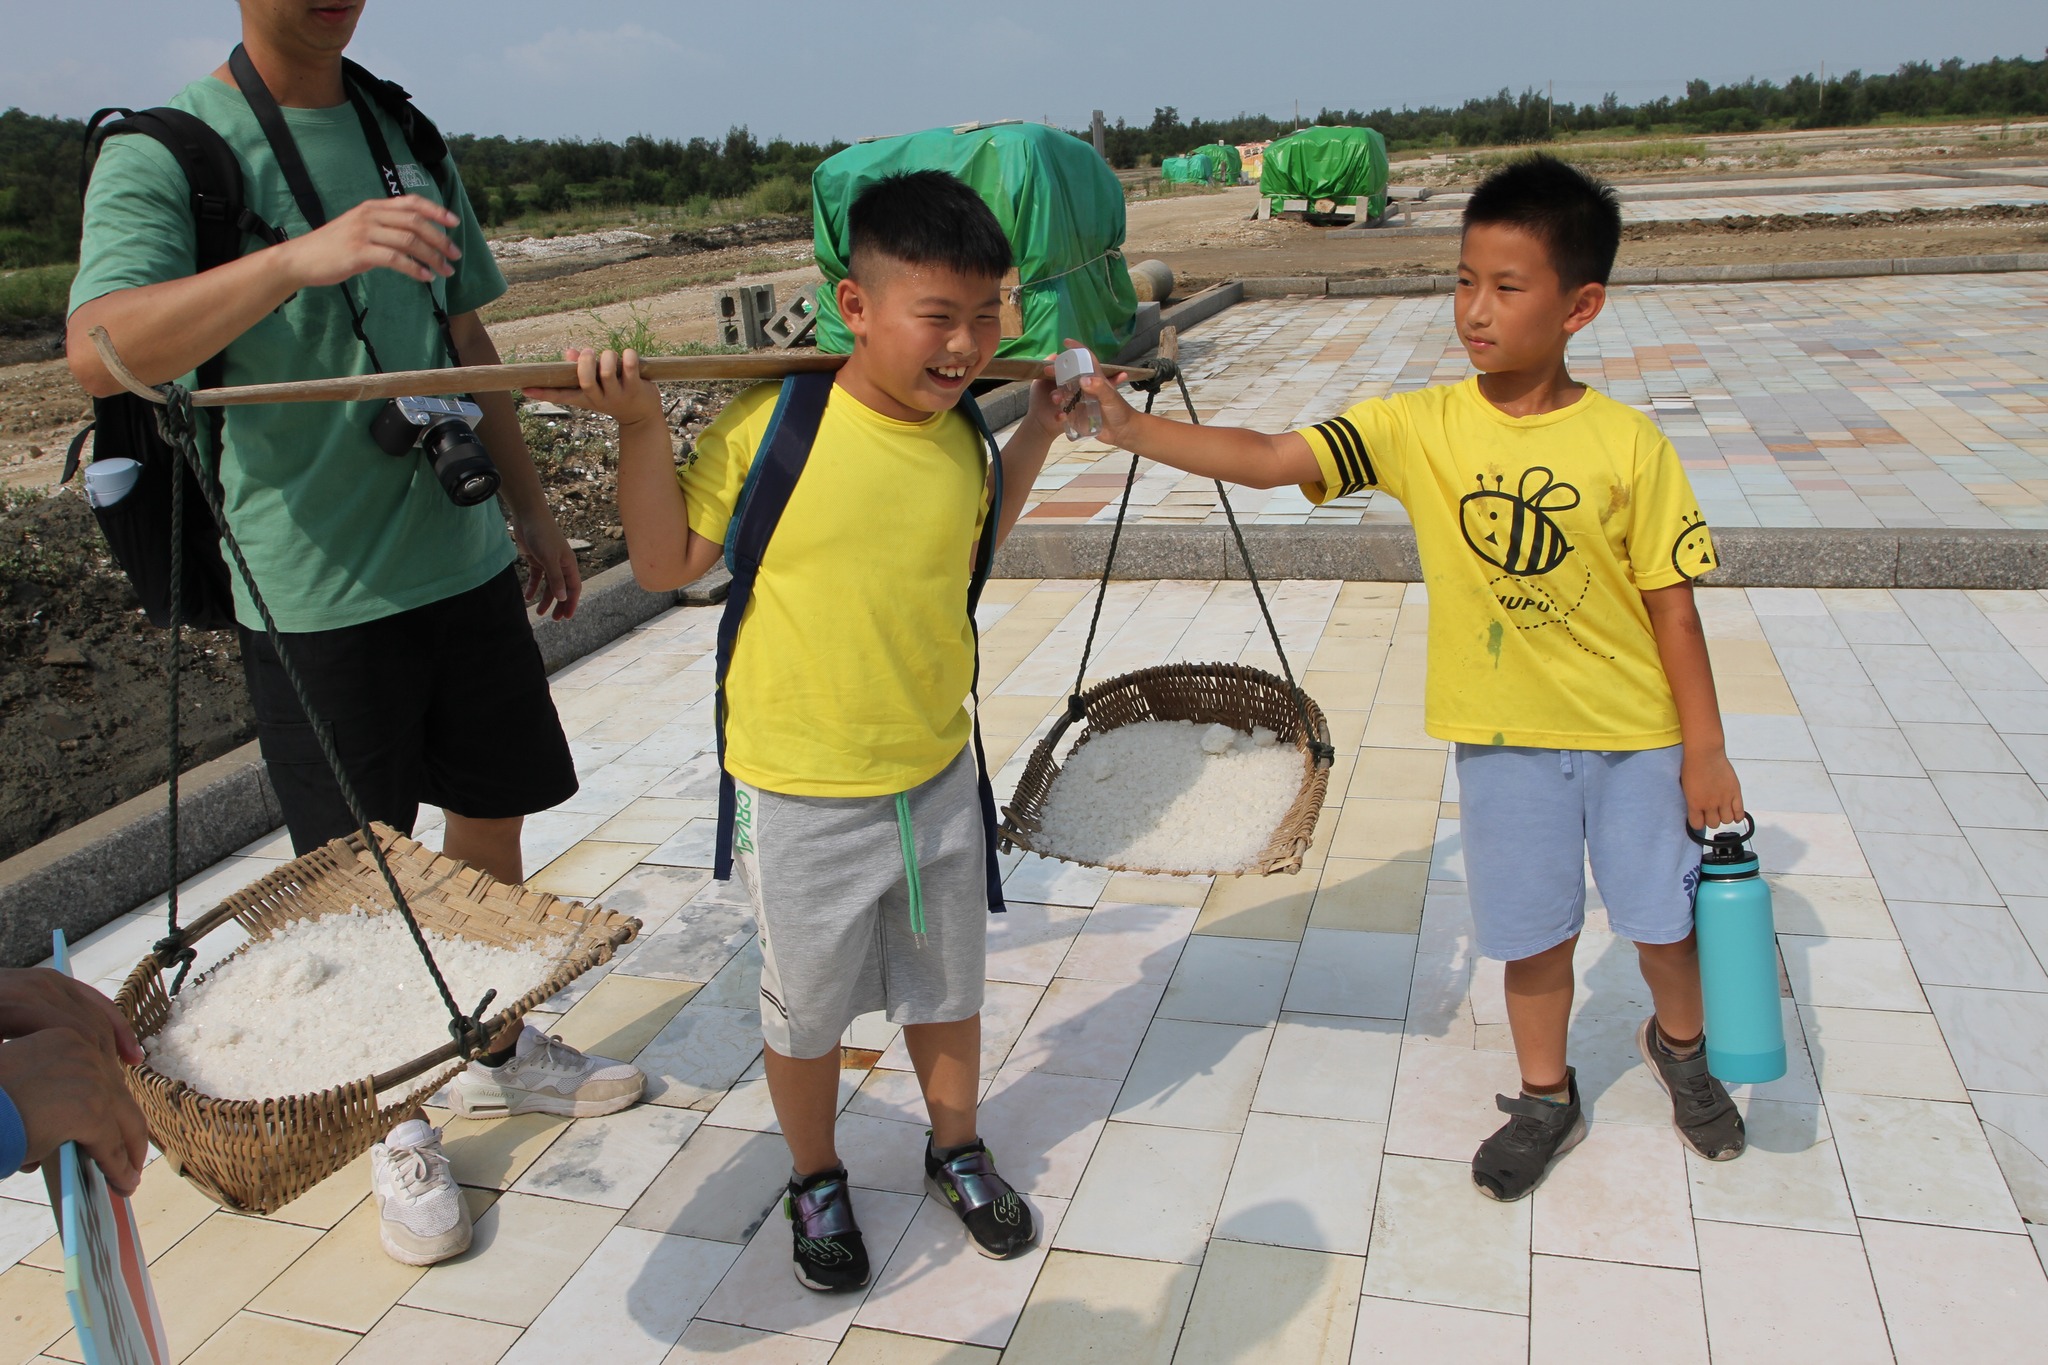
(1233, 454)
(1713, 795)
(665, 553)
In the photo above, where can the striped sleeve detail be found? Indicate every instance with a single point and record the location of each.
(1347, 448)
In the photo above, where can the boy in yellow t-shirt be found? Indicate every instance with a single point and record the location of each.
(858, 828)
(1559, 540)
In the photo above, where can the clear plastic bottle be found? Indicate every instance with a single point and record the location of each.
(1083, 413)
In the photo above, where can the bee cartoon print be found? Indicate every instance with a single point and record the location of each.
(1692, 554)
(1541, 583)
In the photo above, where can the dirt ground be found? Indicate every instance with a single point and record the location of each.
(82, 706)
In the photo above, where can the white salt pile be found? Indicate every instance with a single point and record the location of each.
(1171, 795)
(327, 1001)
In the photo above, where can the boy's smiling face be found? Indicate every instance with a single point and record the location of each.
(922, 334)
(1513, 313)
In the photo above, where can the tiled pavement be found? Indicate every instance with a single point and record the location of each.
(1243, 1108)
(1832, 196)
(1891, 401)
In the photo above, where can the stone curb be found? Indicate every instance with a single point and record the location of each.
(102, 868)
(1289, 286)
(1751, 557)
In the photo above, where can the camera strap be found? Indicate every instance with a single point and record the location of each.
(300, 181)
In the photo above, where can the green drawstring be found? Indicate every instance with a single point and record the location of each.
(909, 841)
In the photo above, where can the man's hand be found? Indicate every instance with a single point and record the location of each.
(69, 1089)
(405, 234)
(554, 582)
(33, 999)
(1713, 795)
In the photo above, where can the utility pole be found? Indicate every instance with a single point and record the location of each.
(1101, 137)
(1820, 92)
(1550, 105)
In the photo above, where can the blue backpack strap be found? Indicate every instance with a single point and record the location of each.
(984, 563)
(778, 463)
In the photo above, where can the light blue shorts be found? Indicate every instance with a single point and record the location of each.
(1532, 818)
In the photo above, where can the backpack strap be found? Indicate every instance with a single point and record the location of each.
(420, 133)
(779, 462)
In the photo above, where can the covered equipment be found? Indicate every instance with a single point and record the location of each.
(1343, 165)
(1060, 205)
(1229, 162)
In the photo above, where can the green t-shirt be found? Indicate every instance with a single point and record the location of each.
(336, 531)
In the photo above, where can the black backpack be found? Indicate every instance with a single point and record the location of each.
(138, 527)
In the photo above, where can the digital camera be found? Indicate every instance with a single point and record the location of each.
(444, 431)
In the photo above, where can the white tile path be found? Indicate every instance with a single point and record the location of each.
(1244, 1109)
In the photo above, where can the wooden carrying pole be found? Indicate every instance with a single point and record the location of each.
(549, 374)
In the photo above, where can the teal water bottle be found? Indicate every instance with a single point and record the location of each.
(1738, 961)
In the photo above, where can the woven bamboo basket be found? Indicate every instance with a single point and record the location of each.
(1207, 694)
(256, 1156)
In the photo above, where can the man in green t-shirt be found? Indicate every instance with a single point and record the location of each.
(401, 611)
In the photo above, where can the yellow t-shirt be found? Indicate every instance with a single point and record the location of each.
(855, 655)
(1538, 537)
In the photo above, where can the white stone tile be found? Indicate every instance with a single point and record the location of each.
(1343, 971)
(1621, 1195)
(1443, 1101)
(1391, 1332)
(1303, 1182)
(1047, 881)
(748, 1104)
(1597, 1312)
(718, 1187)
(1150, 1193)
(2030, 913)
(1783, 738)
(628, 1302)
(1818, 845)
(1044, 1127)
(1881, 1052)
(1798, 1085)
(1788, 1176)
(1088, 1028)
(1960, 748)
(24, 1226)
(1874, 751)
(1894, 805)
(698, 1054)
(760, 1292)
(1193, 1075)
(2016, 1126)
(1920, 1161)
(1774, 1294)
(1271, 1303)
(1942, 1287)
(1775, 785)
(1436, 1239)
(525, 1249)
(696, 942)
(1853, 973)
(1993, 800)
(1998, 1038)
(738, 983)
(716, 1343)
(2016, 860)
(1929, 867)
(610, 1160)
(1125, 942)
(1027, 942)
(1006, 1007)
(936, 1285)
(1229, 981)
(694, 845)
(1829, 907)
(1326, 1066)
(1967, 945)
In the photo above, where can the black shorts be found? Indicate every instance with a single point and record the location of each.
(445, 704)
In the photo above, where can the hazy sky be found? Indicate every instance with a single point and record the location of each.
(811, 70)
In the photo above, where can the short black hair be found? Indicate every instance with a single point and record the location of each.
(927, 218)
(1572, 213)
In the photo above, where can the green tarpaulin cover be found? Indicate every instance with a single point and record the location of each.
(1062, 208)
(1230, 164)
(1328, 163)
(1192, 169)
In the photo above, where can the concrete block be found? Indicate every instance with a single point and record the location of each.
(1373, 554)
(613, 603)
(1202, 306)
(1144, 336)
(1396, 285)
(1633, 274)
(1712, 274)
(1284, 286)
(1992, 559)
(1957, 265)
(796, 322)
(1803, 557)
(1830, 270)
(709, 591)
(1000, 407)
(743, 313)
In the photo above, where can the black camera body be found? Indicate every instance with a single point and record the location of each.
(444, 431)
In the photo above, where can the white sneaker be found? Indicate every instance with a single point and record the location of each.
(546, 1076)
(423, 1218)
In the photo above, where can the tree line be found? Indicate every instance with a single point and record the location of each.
(508, 177)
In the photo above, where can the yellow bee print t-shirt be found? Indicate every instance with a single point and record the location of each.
(1538, 537)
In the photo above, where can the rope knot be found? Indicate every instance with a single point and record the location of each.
(468, 1029)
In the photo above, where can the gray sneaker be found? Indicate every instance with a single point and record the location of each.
(1700, 1108)
(1514, 1160)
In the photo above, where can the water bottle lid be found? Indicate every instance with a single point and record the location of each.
(1069, 365)
(1726, 847)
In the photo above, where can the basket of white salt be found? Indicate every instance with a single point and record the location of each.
(1182, 768)
(285, 1061)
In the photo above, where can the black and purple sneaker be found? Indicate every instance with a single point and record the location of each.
(998, 1220)
(830, 1256)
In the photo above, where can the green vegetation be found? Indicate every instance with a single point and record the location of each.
(36, 294)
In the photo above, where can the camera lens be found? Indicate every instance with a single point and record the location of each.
(460, 462)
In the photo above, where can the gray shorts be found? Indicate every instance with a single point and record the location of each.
(1532, 818)
(831, 894)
